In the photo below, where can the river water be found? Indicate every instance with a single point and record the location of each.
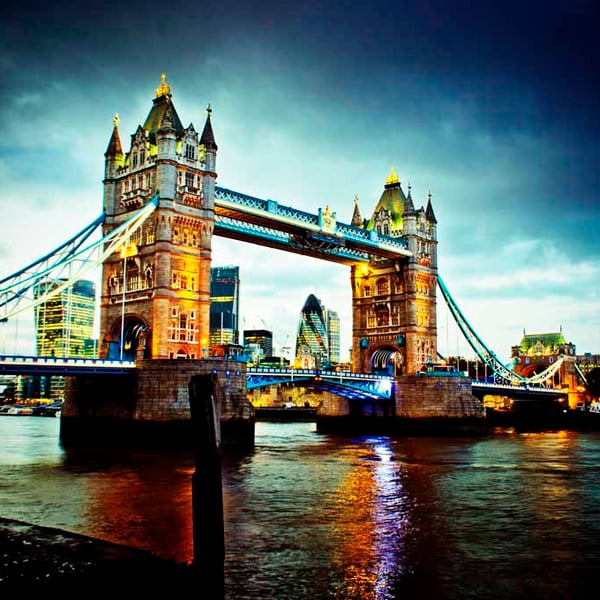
(310, 516)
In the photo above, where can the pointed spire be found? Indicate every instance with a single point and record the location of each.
(208, 139)
(168, 120)
(114, 145)
(357, 220)
(410, 207)
(429, 214)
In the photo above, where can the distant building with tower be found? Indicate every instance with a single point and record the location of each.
(155, 295)
(538, 351)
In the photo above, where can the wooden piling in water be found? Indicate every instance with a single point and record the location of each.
(207, 490)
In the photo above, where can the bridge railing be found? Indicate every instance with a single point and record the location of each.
(65, 362)
(287, 372)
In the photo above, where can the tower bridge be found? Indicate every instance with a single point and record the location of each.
(161, 209)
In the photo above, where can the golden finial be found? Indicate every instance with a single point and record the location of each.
(116, 120)
(165, 88)
(392, 178)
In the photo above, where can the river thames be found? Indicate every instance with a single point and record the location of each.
(310, 516)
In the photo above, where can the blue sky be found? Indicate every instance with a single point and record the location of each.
(493, 107)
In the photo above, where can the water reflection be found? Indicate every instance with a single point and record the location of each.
(312, 516)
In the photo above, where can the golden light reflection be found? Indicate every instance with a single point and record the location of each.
(368, 560)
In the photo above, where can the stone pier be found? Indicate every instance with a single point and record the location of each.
(420, 405)
(150, 407)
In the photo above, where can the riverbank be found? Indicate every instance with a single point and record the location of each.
(42, 559)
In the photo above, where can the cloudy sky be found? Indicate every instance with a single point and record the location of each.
(494, 107)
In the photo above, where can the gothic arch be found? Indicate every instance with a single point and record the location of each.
(136, 339)
(387, 360)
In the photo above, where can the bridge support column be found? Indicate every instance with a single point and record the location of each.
(151, 406)
(425, 405)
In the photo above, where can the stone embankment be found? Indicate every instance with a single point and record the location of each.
(41, 559)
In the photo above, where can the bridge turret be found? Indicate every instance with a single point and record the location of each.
(113, 160)
(208, 153)
(166, 154)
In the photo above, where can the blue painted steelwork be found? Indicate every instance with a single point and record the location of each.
(502, 373)
(363, 386)
(66, 264)
(517, 390)
(271, 224)
(45, 365)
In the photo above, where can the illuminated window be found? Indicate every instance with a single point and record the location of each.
(382, 287)
(367, 291)
(190, 151)
(382, 316)
(150, 233)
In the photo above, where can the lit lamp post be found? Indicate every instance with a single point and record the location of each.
(127, 250)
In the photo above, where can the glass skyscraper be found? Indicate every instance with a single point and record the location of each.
(224, 305)
(64, 327)
(332, 322)
(64, 322)
(312, 340)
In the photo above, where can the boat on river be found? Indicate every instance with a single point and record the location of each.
(30, 410)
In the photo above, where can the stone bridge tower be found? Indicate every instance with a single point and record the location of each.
(394, 301)
(155, 293)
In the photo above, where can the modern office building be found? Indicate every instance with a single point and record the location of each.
(224, 305)
(64, 322)
(312, 340)
(258, 344)
(332, 322)
(64, 327)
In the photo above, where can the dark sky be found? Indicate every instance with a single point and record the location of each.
(493, 107)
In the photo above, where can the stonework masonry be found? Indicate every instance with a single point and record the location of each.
(155, 400)
(420, 397)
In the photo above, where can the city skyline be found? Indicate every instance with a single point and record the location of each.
(492, 108)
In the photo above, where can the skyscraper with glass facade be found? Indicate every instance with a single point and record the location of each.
(64, 327)
(64, 322)
(332, 322)
(318, 338)
(224, 305)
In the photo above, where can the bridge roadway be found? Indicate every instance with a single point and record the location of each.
(354, 386)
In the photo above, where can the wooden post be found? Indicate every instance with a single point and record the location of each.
(207, 490)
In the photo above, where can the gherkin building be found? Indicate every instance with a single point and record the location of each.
(312, 331)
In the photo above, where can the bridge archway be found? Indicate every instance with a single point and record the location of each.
(387, 360)
(135, 340)
(528, 370)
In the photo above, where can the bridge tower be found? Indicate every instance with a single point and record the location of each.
(155, 293)
(394, 301)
